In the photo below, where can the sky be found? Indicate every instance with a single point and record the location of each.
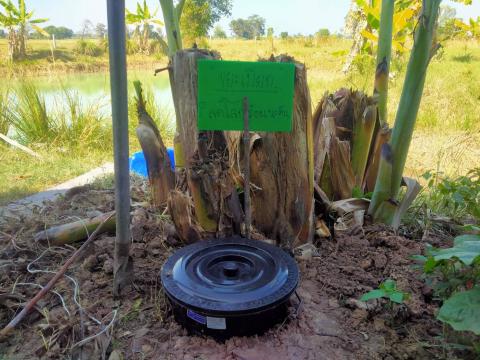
(294, 16)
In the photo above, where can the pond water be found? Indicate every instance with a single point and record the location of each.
(94, 88)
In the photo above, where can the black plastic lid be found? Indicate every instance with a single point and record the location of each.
(230, 276)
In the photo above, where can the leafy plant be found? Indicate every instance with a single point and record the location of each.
(453, 269)
(142, 19)
(385, 206)
(219, 33)
(133, 312)
(17, 20)
(70, 123)
(81, 125)
(458, 197)
(387, 289)
(250, 28)
(462, 311)
(470, 29)
(466, 249)
(30, 119)
(454, 274)
(403, 24)
(196, 20)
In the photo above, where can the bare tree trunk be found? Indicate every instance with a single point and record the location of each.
(22, 36)
(13, 44)
(280, 171)
(144, 45)
(207, 165)
(201, 158)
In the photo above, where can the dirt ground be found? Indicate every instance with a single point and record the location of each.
(331, 322)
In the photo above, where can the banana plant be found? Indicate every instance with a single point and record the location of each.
(142, 19)
(381, 133)
(171, 15)
(404, 12)
(385, 206)
(470, 29)
(17, 20)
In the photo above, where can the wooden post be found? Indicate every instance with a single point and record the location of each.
(246, 170)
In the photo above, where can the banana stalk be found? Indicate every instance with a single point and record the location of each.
(380, 92)
(384, 53)
(171, 17)
(406, 116)
(363, 133)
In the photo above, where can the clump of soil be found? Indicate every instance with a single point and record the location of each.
(331, 323)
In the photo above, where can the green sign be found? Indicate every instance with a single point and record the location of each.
(222, 85)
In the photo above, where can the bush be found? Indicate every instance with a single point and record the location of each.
(458, 198)
(60, 32)
(454, 275)
(219, 33)
(80, 125)
(322, 33)
(132, 47)
(87, 48)
(29, 117)
(103, 44)
(70, 124)
(158, 46)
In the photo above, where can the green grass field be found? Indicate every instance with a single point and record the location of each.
(447, 136)
(41, 62)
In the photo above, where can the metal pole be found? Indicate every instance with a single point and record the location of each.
(246, 170)
(118, 89)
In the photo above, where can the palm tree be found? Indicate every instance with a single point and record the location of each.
(16, 19)
(143, 19)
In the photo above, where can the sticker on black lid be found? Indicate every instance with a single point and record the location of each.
(197, 317)
(216, 323)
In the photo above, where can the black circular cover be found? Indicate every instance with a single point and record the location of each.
(230, 276)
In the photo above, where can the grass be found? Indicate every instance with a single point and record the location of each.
(446, 138)
(70, 55)
(72, 138)
(30, 116)
(451, 98)
(22, 175)
(69, 123)
(447, 133)
(4, 106)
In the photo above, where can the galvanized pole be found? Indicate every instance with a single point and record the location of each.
(118, 88)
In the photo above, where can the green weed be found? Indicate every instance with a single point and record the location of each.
(87, 48)
(388, 290)
(29, 116)
(454, 275)
(83, 125)
(133, 312)
(69, 124)
(457, 197)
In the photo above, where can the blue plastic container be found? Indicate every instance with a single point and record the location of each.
(138, 165)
